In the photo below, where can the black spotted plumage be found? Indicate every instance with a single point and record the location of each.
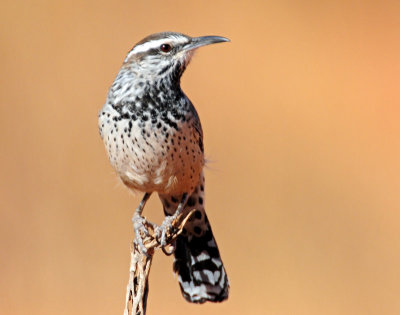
(154, 140)
(196, 242)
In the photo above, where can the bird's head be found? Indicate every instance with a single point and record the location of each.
(165, 54)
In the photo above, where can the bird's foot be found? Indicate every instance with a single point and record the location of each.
(141, 228)
(165, 231)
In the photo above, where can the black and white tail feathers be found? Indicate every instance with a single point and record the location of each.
(201, 273)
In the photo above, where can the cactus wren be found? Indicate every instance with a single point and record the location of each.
(154, 141)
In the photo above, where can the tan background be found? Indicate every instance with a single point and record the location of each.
(301, 119)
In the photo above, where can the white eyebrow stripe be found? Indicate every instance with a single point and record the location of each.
(154, 44)
(149, 45)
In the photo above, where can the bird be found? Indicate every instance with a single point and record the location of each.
(154, 140)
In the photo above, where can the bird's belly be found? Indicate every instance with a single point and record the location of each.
(153, 157)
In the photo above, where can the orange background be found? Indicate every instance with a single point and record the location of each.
(301, 119)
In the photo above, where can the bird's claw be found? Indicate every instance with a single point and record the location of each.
(141, 231)
(165, 230)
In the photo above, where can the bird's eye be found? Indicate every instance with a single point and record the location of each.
(165, 48)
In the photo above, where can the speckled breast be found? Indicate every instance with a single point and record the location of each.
(151, 154)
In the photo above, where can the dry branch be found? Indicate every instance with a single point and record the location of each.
(138, 285)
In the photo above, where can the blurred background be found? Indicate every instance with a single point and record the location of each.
(301, 120)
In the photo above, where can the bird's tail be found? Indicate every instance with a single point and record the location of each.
(201, 273)
(200, 270)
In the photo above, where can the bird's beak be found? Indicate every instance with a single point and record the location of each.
(197, 42)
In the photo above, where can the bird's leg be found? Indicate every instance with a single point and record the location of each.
(140, 208)
(139, 223)
(166, 225)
